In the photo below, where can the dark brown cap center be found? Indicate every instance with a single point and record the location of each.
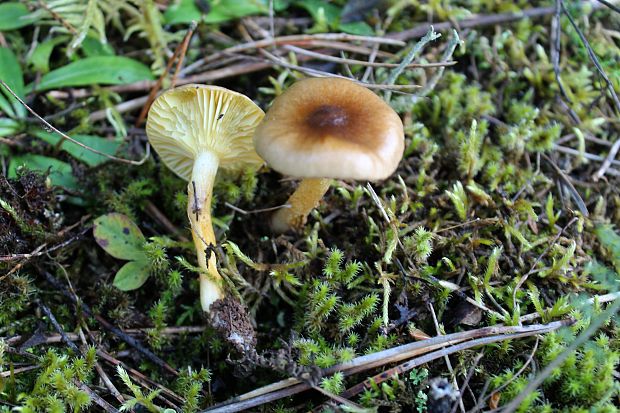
(327, 116)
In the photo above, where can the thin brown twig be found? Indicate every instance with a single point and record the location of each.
(58, 18)
(69, 138)
(180, 51)
(95, 397)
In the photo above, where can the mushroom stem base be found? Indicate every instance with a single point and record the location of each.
(304, 199)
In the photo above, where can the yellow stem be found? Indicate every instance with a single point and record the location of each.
(199, 192)
(304, 199)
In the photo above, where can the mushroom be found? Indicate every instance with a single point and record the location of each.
(327, 128)
(197, 129)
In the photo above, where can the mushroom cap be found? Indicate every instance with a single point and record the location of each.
(190, 119)
(331, 128)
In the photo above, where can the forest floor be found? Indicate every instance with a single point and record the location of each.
(482, 275)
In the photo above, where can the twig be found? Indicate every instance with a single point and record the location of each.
(563, 177)
(608, 161)
(341, 60)
(97, 399)
(59, 328)
(379, 378)
(180, 51)
(593, 58)
(69, 138)
(40, 250)
(470, 374)
(319, 73)
(108, 326)
(537, 260)
(292, 386)
(141, 377)
(413, 53)
(446, 358)
(480, 21)
(611, 6)
(595, 324)
(255, 211)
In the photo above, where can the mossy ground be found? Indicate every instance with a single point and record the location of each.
(497, 200)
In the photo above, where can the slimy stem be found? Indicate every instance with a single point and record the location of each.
(199, 192)
(304, 199)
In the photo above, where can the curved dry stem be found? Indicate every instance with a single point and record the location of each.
(199, 192)
(304, 199)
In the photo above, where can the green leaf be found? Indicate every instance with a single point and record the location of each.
(220, 11)
(358, 28)
(320, 9)
(9, 127)
(108, 70)
(93, 47)
(119, 237)
(184, 11)
(88, 157)
(13, 16)
(61, 173)
(40, 58)
(132, 275)
(11, 74)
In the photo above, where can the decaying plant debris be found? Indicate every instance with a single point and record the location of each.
(482, 275)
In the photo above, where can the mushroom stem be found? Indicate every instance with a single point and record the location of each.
(199, 191)
(304, 199)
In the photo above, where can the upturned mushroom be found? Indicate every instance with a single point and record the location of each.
(322, 129)
(197, 129)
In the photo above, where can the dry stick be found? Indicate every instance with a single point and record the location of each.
(141, 378)
(108, 326)
(607, 162)
(470, 374)
(446, 358)
(106, 380)
(319, 73)
(40, 249)
(611, 6)
(556, 46)
(69, 138)
(557, 362)
(592, 55)
(576, 197)
(330, 58)
(513, 378)
(180, 51)
(97, 399)
(56, 338)
(59, 18)
(226, 72)
(480, 21)
(59, 328)
(290, 386)
(379, 378)
(537, 260)
(9, 373)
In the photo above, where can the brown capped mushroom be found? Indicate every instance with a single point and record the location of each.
(324, 128)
